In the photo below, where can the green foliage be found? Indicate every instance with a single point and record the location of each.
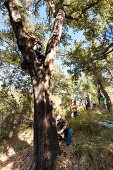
(93, 142)
(3, 134)
(22, 145)
(93, 17)
(22, 127)
(63, 89)
(15, 108)
(101, 117)
(85, 123)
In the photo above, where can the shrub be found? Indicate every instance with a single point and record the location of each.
(3, 134)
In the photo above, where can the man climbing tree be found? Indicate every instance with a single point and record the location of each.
(45, 134)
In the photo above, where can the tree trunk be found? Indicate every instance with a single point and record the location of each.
(98, 95)
(108, 100)
(45, 133)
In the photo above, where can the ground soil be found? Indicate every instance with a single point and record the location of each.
(16, 154)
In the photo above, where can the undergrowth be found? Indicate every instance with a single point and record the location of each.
(92, 142)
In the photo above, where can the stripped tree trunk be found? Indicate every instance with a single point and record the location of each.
(45, 134)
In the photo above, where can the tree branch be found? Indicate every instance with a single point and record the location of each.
(24, 39)
(57, 31)
(54, 39)
(105, 50)
(109, 72)
(89, 6)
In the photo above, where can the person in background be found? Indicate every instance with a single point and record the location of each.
(87, 103)
(102, 100)
(63, 130)
(94, 106)
(74, 109)
(99, 97)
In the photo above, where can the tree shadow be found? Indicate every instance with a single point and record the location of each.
(22, 157)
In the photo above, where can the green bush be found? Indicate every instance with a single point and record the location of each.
(15, 108)
(3, 134)
(86, 124)
(22, 127)
(22, 145)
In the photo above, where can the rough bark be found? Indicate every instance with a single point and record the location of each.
(108, 100)
(45, 134)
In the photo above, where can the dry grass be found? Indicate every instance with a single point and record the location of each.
(91, 148)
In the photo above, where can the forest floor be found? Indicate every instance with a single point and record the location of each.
(91, 149)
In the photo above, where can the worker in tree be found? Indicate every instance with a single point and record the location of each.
(37, 48)
(63, 130)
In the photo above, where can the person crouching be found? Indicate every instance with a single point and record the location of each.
(63, 130)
